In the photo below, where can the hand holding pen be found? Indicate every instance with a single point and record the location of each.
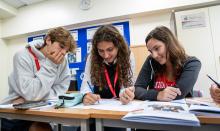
(217, 84)
(215, 90)
(91, 98)
(126, 95)
(215, 93)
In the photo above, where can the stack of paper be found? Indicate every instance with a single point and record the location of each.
(163, 113)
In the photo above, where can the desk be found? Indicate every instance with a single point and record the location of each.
(80, 117)
(113, 119)
(75, 117)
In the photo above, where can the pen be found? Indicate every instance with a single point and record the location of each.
(91, 88)
(214, 81)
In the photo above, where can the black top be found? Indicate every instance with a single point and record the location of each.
(106, 92)
(185, 82)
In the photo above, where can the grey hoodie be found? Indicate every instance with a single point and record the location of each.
(144, 86)
(25, 81)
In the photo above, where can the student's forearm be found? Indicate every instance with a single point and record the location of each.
(144, 94)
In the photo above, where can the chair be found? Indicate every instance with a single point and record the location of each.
(197, 93)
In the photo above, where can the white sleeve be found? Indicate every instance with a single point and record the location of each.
(132, 62)
(87, 77)
(29, 85)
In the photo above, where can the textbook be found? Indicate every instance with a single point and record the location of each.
(203, 106)
(208, 110)
(171, 113)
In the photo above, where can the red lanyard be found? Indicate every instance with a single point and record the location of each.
(109, 82)
(35, 58)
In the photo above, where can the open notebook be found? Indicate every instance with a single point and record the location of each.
(172, 113)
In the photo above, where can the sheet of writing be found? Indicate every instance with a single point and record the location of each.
(111, 104)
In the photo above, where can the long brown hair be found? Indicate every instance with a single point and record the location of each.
(110, 34)
(174, 49)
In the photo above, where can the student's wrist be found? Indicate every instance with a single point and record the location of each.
(84, 98)
(159, 95)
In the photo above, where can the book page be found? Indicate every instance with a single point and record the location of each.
(111, 104)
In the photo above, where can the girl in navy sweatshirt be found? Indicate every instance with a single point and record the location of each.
(168, 73)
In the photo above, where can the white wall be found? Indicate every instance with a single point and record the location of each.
(3, 66)
(215, 28)
(67, 12)
(13, 46)
(142, 25)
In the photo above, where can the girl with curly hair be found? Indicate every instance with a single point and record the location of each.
(109, 68)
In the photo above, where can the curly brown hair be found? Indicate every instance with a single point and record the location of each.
(175, 51)
(62, 36)
(110, 34)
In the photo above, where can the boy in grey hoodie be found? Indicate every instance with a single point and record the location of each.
(40, 72)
